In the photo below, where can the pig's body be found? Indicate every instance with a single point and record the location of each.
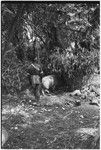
(48, 82)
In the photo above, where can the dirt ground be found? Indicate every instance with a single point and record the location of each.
(53, 123)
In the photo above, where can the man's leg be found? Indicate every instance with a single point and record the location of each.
(37, 92)
(33, 89)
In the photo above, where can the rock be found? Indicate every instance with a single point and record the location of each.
(84, 89)
(88, 138)
(92, 95)
(81, 116)
(95, 101)
(97, 91)
(91, 88)
(4, 136)
(76, 93)
(77, 103)
(90, 131)
(84, 95)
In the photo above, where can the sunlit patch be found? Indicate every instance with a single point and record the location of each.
(90, 131)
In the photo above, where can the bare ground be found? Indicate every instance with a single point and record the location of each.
(55, 122)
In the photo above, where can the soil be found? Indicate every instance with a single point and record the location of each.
(56, 122)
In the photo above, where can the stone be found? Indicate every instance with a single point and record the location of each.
(4, 136)
(76, 93)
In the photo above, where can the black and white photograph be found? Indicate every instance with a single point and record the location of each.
(50, 75)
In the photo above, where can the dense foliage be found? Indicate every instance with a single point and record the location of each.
(63, 37)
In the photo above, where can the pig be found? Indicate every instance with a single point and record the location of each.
(48, 83)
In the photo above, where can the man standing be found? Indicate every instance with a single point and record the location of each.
(35, 72)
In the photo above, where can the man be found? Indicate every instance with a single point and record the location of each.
(35, 72)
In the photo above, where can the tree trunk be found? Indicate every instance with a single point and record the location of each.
(11, 29)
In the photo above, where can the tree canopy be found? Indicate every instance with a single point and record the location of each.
(62, 36)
